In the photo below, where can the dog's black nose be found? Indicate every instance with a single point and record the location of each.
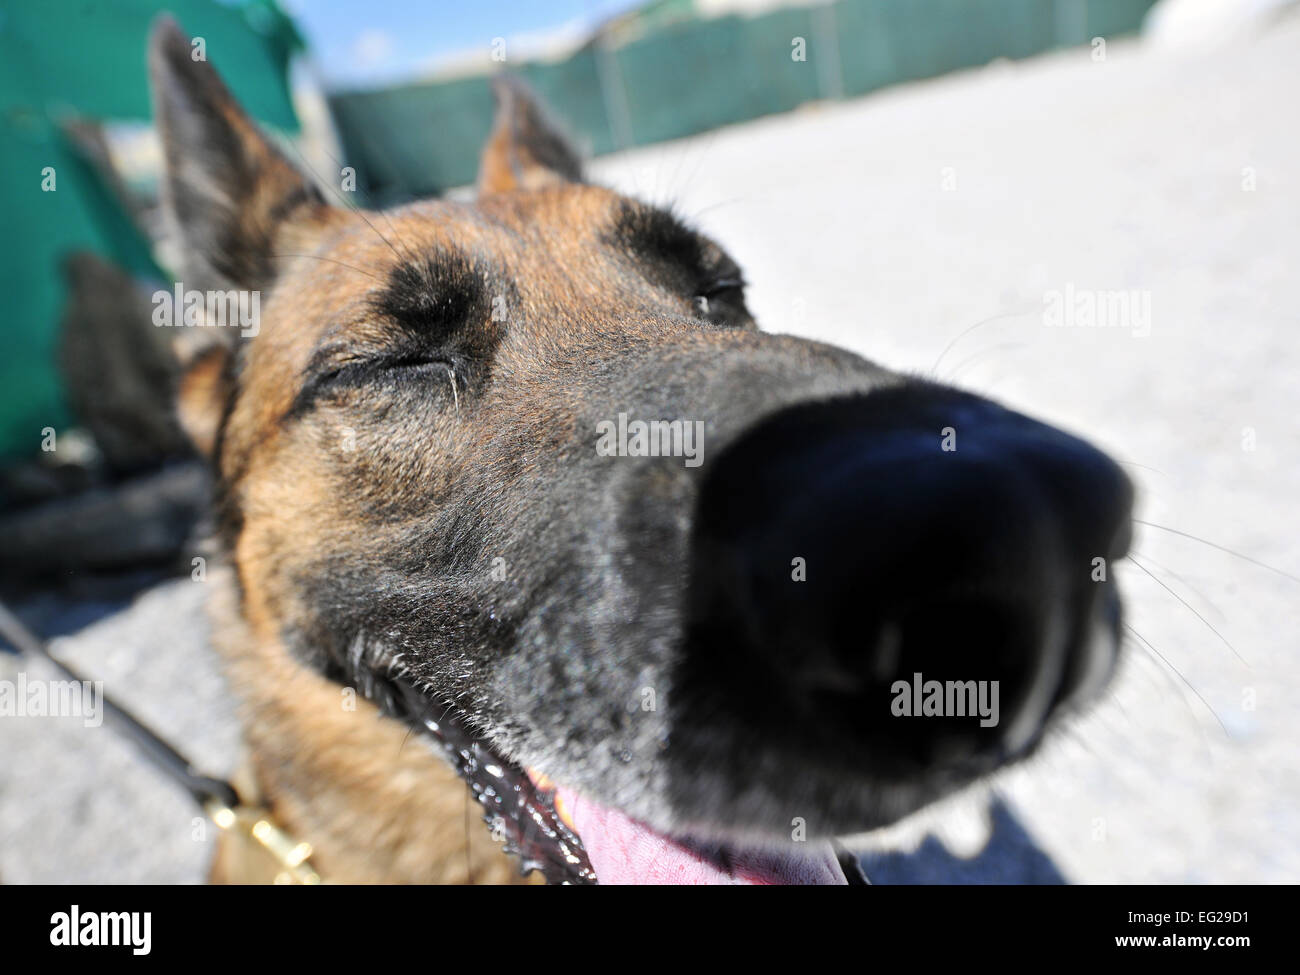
(852, 558)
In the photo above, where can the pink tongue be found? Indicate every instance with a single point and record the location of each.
(623, 851)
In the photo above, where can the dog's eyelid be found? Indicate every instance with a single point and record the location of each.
(359, 370)
(378, 362)
(335, 356)
(720, 285)
(326, 365)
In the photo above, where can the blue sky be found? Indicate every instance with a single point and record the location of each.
(384, 40)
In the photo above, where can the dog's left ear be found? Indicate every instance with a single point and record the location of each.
(227, 190)
(527, 148)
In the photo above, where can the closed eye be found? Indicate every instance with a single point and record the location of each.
(378, 371)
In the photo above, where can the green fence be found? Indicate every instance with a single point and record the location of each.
(696, 75)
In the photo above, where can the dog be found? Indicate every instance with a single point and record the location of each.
(516, 505)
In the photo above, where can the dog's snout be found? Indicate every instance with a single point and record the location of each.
(859, 553)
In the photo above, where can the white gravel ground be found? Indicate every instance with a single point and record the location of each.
(892, 224)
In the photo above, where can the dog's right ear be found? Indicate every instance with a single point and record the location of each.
(228, 192)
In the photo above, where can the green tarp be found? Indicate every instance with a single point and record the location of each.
(67, 59)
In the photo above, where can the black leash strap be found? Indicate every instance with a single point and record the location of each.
(202, 788)
(216, 797)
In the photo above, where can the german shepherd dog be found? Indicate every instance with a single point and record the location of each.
(451, 550)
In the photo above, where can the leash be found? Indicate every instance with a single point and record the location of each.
(252, 824)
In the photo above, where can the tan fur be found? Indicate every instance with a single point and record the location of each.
(377, 805)
(203, 388)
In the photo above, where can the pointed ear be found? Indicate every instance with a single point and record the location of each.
(227, 191)
(527, 148)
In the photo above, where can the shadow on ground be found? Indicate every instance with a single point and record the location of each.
(1010, 857)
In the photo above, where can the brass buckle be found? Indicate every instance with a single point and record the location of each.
(255, 825)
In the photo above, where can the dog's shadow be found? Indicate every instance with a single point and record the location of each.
(1011, 856)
